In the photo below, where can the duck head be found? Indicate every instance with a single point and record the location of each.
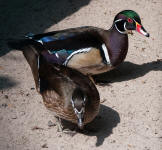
(129, 20)
(78, 101)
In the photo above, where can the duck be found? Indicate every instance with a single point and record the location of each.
(66, 92)
(90, 50)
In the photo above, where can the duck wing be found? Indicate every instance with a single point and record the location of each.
(69, 39)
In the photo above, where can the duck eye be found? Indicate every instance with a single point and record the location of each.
(130, 20)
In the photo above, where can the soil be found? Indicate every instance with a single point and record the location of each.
(130, 116)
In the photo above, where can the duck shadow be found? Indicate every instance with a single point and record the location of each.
(19, 17)
(103, 124)
(128, 71)
(6, 83)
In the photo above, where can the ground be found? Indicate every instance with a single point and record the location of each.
(131, 105)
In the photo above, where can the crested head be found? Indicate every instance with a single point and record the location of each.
(125, 14)
(127, 20)
(78, 101)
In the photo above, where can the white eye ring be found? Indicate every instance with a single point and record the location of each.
(125, 26)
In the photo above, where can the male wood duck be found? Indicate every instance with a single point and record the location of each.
(91, 50)
(68, 93)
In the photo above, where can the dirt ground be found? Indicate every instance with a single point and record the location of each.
(131, 104)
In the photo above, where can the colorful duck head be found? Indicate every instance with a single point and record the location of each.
(129, 20)
(78, 101)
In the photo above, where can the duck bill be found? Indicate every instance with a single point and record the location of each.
(80, 123)
(141, 30)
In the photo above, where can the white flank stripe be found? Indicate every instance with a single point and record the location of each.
(83, 50)
(40, 41)
(106, 54)
(57, 55)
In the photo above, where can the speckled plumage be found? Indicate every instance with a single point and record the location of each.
(57, 84)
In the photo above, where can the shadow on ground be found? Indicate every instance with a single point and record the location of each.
(6, 82)
(103, 124)
(19, 17)
(128, 71)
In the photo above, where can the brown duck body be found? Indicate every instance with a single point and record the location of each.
(57, 84)
(57, 94)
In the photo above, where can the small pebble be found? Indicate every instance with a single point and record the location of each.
(126, 85)
(113, 141)
(147, 148)
(6, 96)
(129, 145)
(103, 100)
(50, 123)
(112, 91)
(156, 132)
(22, 113)
(27, 94)
(143, 49)
(44, 146)
(143, 82)
(14, 116)
(37, 128)
(21, 92)
(59, 135)
(4, 105)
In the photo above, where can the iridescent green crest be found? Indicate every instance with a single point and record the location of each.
(131, 14)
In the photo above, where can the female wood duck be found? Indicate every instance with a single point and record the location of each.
(68, 93)
(89, 49)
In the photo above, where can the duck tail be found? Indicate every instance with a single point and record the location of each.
(18, 44)
(22, 44)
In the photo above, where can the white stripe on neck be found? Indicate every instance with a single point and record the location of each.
(125, 32)
(106, 54)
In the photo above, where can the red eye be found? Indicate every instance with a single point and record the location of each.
(130, 20)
